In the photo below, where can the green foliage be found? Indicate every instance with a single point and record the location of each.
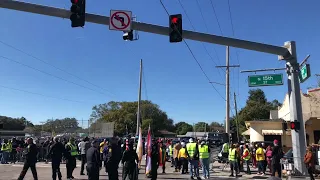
(14, 123)
(65, 125)
(257, 108)
(201, 127)
(124, 114)
(182, 128)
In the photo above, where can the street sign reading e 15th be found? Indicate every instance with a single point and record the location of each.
(265, 80)
(305, 73)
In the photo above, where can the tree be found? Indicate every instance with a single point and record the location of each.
(201, 127)
(65, 125)
(215, 126)
(124, 114)
(257, 108)
(14, 123)
(182, 128)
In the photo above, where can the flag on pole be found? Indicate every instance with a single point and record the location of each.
(140, 147)
(148, 160)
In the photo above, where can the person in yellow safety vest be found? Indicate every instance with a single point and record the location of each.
(246, 156)
(260, 160)
(233, 160)
(5, 152)
(170, 153)
(193, 154)
(72, 153)
(204, 153)
(183, 158)
(225, 150)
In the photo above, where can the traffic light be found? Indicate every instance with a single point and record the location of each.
(128, 36)
(295, 125)
(175, 30)
(78, 13)
(284, 125)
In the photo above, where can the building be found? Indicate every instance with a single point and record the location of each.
(268, 130)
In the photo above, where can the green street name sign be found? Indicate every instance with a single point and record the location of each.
(305, 73)
(265, 80)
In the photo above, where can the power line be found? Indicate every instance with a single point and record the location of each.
(194, 57)
(215, 14)
(39, 94)
(233, 34)
(51, 74)
(45, 62)
(194, 29)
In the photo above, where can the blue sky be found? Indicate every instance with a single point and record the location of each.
(173, 79)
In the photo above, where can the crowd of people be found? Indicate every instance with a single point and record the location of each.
(266, 158)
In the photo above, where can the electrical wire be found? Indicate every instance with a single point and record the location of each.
(39, 94)
(233, 34)
(45, 62)
(215, 14)
(207, 30)
(49, 74)
(194, 57)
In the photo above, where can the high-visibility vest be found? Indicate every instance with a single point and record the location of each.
(9, 147)
(191, 148)
(247, 158)
(225, 147)
(4, 147)
(232, 154)
(203, 151)
(170, 151)
(73, 149)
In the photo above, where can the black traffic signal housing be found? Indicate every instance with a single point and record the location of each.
(128, 36)
(284, 125)
(78, 13)
(295, 125)
(175, 28)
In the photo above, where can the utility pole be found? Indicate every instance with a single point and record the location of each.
(287, 53)
(227, 66)
(237, 120)
(139, 123)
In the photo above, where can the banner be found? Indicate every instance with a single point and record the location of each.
(140, 147)
(148, 159)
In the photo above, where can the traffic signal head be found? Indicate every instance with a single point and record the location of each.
(284, 125)
(128, 36)
(175, 28)
(295, 125)
(78, 13)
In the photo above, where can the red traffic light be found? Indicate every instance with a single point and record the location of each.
(174, 20)
(292, 125)
(74, 1)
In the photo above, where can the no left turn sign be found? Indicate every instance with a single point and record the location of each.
(120, 20)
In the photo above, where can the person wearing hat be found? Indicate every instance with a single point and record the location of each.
(204, 153)
(277, 154)
(56, 153)
(183, 158)
(30, 160)
(193, 154)
(94, 163)
(71, 154)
